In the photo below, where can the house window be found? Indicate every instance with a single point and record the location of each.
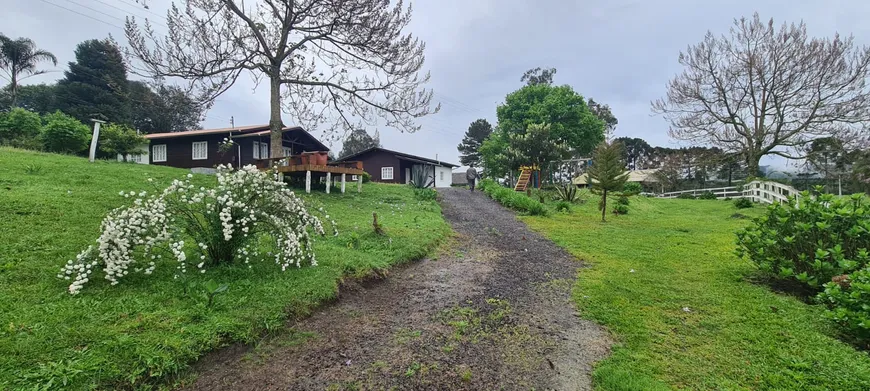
(159, 153)
(264, 150)
(200, 150)
(386, 173)
(442, 175)
(256, 150)
(353, 177)
(286, 150)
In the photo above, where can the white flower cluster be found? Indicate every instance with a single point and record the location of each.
(226, 223)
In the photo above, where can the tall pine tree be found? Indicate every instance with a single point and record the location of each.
(607, 173)
(96, 86)
(469, 148)
(358, 141)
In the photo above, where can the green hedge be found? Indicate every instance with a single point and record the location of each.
(512, 199)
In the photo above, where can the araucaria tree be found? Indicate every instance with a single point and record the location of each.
(358, 141)
(19, 59)
(607, 173)
(763, 90)
(469, 148)
(340, 62)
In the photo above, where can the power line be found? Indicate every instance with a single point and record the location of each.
(145, 8)
(95, 10)
(85, 15)
(128, 12)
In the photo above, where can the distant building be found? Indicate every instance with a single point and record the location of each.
(459, 179)
(644, 177)
(389, 166)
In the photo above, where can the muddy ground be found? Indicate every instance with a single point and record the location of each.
(491, 312)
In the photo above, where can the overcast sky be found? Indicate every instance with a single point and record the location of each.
(619, 52)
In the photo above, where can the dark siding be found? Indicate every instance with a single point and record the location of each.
(374, 160)
(179, 152)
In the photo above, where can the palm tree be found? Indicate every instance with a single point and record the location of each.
(20, 57)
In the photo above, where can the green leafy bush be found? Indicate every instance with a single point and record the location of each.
(707, 195)
(563, 206)
(366, 177)
(632, 188)
(567, 192)
(620, 209)
(686, 196)
(64, 134)
(825, 237)
(512, 199)
(20, 128)
(426, 194)
(743, 203)
(849, 303)
(116, 139)
(622, 200)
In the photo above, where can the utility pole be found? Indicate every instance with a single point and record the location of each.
(96, 135)
(232, 122)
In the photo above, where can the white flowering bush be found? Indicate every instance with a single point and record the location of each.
(248, 213)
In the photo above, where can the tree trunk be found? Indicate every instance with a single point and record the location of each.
(275, 123)
(752, 163)
(604, 206)
(13, 86)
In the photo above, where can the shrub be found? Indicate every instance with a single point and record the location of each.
(849, 303)
(563, 206)
(686, 196)
(620, 209)
(632, 188)
(622, 200)
(426, 194)
(20, 128)
(366, 177)
(512, 199)
(64, 134)
(707, 195)
(743, 203)
(567, 192)
(827, 236)
(185, 226)
(121, 140)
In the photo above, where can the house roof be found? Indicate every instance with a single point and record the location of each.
(633, 176)
(238, 131)
(400, 155)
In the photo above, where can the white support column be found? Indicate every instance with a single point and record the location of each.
(92, 154)
(343, 179)
(359, 183)
(328, 181)
(308, 181)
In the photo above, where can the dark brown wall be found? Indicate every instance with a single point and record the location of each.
(179, 152)
(374, 160)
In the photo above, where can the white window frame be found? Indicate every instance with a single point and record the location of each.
(264, 150)
(384, 171)
(201, 144)
(157, 156)
(256, 149)
(353, 177)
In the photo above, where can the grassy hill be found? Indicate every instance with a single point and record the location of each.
(145, 330)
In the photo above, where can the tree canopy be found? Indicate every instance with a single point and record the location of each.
(763, 90)
(161, 108)
(95, 86)
(19, 59)
(565, 111)
(469, 148)
(358, 141)
(538, 75)
(330, 65)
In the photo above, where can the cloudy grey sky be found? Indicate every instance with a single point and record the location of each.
(619, 52)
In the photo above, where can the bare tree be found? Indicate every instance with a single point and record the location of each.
(341, 62)
(767, 91)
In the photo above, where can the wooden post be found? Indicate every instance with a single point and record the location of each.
(308, 181)
(343, 179)
(328, 181)
(359, 183)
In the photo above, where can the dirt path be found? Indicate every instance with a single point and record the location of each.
(494, 313)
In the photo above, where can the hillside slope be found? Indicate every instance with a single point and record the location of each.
(146, 329)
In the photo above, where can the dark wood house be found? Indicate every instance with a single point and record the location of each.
(202, 148)
(389, 166)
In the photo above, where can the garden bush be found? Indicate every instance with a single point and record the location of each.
(623, 200)
(686, 196)
(512, 199)
(186, 227)
(426, 194)
(64, 134)
(743, 203)
(620, 209)
(567, 192)
(825, 237)
(20, 128)
(707, 195)
(849, 303)
(563, 206)
(632, 188)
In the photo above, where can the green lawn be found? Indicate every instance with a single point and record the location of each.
(145, 330)
(732, 335)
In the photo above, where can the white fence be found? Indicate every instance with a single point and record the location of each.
(757, 191)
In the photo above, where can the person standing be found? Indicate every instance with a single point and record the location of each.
(471, 176)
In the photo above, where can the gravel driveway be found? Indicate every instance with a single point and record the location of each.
(491, 312)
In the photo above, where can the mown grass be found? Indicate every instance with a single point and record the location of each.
(144, 331)
(664, 280)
